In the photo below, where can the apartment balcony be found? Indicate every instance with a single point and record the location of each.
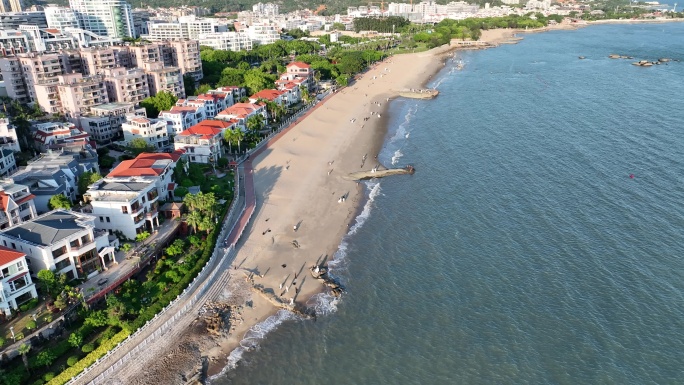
(83, 246)
(151, 214)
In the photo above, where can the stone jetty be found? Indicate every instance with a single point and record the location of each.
(419, 93)
(376, 173)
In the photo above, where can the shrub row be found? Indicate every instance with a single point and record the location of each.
(29, 305)
(90, 359)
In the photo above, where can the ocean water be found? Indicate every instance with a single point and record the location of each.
(539, 242)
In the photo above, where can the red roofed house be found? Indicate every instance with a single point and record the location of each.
(203, 142)
(299, 70)
(275, 96)
(291, 92)
(153, 131)
(240, 112)
(235, 92)
(16, 204)
(155, 165)
(212, 103)
(180, 118)
(15, 281)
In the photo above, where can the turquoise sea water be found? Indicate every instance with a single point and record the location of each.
(521, 252)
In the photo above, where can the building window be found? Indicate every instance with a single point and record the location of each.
(101, 219)
(62, 264)
(108, 220)
(124, 209)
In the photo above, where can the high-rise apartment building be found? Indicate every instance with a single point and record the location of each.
(163, 78)
(126, 85)
(113, 18)
(10, 6)
(230, 41)
(186, 56)
(60, 17)
(14, 20)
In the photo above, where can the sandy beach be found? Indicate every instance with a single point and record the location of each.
(299, 180)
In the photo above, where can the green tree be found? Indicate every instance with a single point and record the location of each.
(339, 27)
(59, 201)
(139, 145)
(141, 237)
(86, 179)
(61, 302)
(126, 247)
(31, 324)
(176, 248)
(189, 84)
(162, 101)
(255, 81)
(50, 282)
(46, 357)
(206, 224)
(23, 350)
(193, 219)
(96, 319)
(76, 340)
(202, 89)
(255, 123)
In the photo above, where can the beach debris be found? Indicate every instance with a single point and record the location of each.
(582, 57)
(631, 176)
(295, 244)
(284, 265)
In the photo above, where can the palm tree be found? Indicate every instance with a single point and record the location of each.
(23, 350)
(229, 137)
(238, 136)
(206, 224)
(192, 201)
(194, 219)
(255, 122)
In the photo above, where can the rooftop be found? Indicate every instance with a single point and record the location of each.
(8, 255)
(145, 164)
(48, 229)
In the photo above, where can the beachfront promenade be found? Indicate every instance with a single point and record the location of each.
(168, 326)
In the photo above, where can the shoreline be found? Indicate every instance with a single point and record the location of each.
(370, 139)
(292, 187)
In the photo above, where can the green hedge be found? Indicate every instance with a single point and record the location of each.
(90, 359)
(29, 305)
(59, 349)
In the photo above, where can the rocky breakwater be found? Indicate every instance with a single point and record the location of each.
(419, 93)
(321, 274)
(641, 63)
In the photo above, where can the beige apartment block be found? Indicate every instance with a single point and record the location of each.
(78, 93)
(95, 60)
(126, 85)
(186, 56)
(146, 53)
(41, 69)
(13, 76)
(103, 122)
(162, 78)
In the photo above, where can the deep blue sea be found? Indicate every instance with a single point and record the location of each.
(541, 240)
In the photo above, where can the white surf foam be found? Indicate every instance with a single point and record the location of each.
(397, 154)
(251, 339)
(323, 303)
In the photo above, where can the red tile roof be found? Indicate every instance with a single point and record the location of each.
(8, 255)
(143, 165)
(267, 94)
(206, 132)
(4, 200)
(241, 110)
(299, 64)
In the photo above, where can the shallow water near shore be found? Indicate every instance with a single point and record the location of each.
(521, 251)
